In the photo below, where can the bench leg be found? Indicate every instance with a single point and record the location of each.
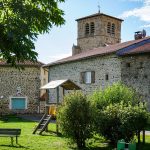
(12, 140)
(16, 140)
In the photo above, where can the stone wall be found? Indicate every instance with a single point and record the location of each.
(27, 80)
(135, 71)
(109, 64)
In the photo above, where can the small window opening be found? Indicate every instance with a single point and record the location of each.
(145, 76)
(87, 31)
(141, 64)
(136, 77)
(108, 27)
(128, 65)
(106, 77)
(113, 29)
(92, 26)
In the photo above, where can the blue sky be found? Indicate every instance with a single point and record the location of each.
(58, 43)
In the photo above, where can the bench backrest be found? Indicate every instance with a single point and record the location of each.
(10, 131)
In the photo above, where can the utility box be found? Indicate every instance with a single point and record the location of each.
(121, 145)
(132, 146)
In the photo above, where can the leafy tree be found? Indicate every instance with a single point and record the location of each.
(120, 114)
(75, 118)
(21, 21)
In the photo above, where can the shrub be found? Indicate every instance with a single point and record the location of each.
(116, 93)
(75, 118)
(119, 121)
(119, 113)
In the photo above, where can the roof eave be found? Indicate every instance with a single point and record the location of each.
(64, 62)
(98, 14)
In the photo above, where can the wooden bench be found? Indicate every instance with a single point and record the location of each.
(5, 132)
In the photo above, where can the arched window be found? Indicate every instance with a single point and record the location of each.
(109, 27)
(92, 27)
(87, 30)
(113, 28)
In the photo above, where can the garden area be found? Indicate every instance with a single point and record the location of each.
(85, 122)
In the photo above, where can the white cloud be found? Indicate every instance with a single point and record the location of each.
(146, 26)
(143, 13)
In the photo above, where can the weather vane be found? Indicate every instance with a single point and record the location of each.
(99, 8)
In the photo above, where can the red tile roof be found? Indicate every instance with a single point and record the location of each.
(25, 63)
(98, 14)
(104, 51)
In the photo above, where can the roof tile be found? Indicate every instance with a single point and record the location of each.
(25, 63)
(104, 51)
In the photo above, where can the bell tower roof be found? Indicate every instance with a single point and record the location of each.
(98, 14)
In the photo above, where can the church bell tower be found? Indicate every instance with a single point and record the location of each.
(97, 30)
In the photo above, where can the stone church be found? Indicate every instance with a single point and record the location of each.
(100, 59)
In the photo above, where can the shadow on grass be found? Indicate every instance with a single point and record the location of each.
(145, 146)
(14, 118)
(52, 133)
(14, 146)
(95, 148)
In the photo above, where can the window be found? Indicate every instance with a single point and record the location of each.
(128, 65)
(145, 76)
(92, 27)
(141, 64)
(87, 30)
(106, 77)
(109, 27)
(18, 103)
(87, 77)
(113, 29)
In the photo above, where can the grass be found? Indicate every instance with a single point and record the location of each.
(29, 141)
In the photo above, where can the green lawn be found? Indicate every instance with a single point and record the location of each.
(29, 141)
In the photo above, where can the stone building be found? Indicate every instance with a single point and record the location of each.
(99, 61)
(20, 89)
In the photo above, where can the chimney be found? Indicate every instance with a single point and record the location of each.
(139, 34)
(76, 50)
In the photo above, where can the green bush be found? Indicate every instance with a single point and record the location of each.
(119, 113)
(75, 118)
(116, 93)
(119, 121)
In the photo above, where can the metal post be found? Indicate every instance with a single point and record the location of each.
(57, 108)
(143, 136)
(63, 92)
(138, 137)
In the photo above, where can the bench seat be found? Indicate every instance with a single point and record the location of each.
(10, 132)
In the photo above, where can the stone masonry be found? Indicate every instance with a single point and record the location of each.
(100, 36)
(27, 80)
(132, 70)
(135, 71)
(101, 65)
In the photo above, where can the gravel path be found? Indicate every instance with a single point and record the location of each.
(32, 117)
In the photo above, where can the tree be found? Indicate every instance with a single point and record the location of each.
(75, 118)
(120, 113)
(21, 21)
